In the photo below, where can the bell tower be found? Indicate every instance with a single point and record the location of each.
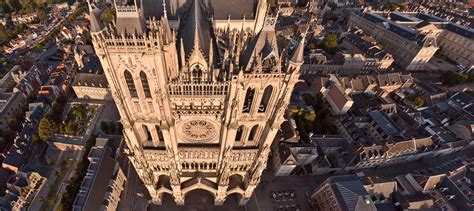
(200, 106)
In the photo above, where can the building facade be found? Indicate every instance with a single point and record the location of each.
(201, 99)
(410, 49)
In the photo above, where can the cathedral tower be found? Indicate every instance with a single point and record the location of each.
(200, 102)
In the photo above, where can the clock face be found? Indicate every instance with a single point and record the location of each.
(198, 131)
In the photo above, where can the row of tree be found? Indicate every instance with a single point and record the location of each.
(450, 78)
(26, 6)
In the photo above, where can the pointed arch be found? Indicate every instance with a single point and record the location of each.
(248, 100)
(238, 135)
(267, 94)
(130, 84)
(253, 133)
(160, 134)
(197, 73)
(147, 133)
(145, 85)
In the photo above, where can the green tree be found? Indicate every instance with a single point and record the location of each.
(8, 135)
(41, 13)
(14, 124)
(3, 33)
(418, 102)
(112, 127)
(104, 126)
(47, 127)
(80, 111)
(70, 128)
(329, 43)
(119, 127)
(35, 137)
(451, 78)
(108, 16)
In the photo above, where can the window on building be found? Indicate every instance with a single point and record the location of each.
(248, 100)
(130, 84)
(196, 74)
(160, 134)
(253, 133)
(238, 135)
(265, 99)
(147, 133)
(146, 87)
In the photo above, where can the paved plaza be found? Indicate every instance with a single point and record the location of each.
(264, 199)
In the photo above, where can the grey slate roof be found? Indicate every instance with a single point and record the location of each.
(129, 25)
(386, 124)
(367, 48)
(218, 9)
(264, 44)
(96, 24)
(350, 193)
(297, 56)
(196, 30)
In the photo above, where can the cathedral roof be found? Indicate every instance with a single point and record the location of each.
(96, 24)
(219, 9)
(129, 20)
(297, 56)
(196, 30)
(264, 45)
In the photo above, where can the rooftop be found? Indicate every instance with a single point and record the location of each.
(386, 124)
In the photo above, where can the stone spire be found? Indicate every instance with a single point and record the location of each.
(297, 56)
(165, 13)
(94, 13)
(196, 32)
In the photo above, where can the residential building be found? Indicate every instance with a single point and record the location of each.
(342, 193)
(10, 105)
(91, 86)
(105, 179)
(19, 153)
(334, 94)
(380, 59)
(22, 190)
(411, 49)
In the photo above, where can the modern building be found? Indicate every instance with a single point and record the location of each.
(199, 105)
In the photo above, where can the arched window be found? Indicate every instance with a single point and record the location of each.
(248, 100)
(196, 74)
(238, 135)
(253, 133)
(147, 133)
(146, 87)
(160, 134)
(265, 99)
(131, 85)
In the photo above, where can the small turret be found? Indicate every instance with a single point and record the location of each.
(96, 24)
(297, 57)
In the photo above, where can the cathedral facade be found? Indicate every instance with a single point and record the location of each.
(201, 95)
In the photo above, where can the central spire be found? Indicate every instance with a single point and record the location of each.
(196, 31)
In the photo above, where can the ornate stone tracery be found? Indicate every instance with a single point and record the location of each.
(198, 131)
(193, 112)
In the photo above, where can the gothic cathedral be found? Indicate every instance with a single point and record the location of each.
(201, 87)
